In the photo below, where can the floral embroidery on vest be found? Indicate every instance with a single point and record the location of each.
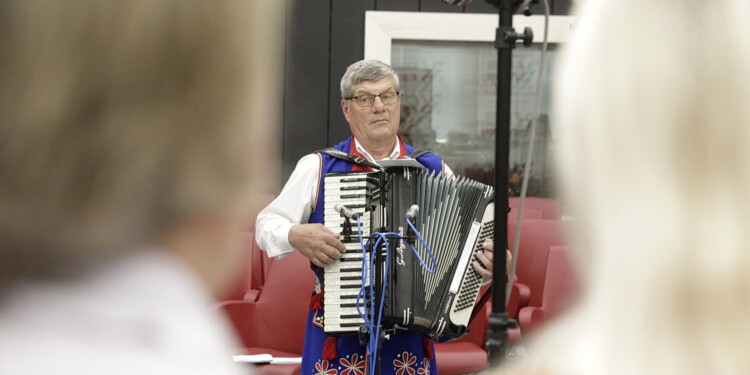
(402, 364)
(425, 369)
(321, 368)
(355, 366)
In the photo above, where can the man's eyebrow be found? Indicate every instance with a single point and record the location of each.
(361, 91)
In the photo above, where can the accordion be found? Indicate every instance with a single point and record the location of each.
(433, 227)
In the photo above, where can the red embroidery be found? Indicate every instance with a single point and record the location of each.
(425, 369)
(403, 365)
(321, 368)
(355, 367)
(360, 168)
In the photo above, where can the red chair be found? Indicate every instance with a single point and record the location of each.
(275, 323)
(243, 280)
(534, 208)
(561, 286)
(260, 266)
(468, 354)
(250, 282)
(537, 236)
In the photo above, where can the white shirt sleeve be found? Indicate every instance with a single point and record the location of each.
(293, 206)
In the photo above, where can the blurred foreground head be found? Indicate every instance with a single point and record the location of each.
(653, 117)
(127, 125)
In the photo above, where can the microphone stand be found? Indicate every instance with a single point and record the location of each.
(505, 41)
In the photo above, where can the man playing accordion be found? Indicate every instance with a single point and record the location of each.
(294, 220)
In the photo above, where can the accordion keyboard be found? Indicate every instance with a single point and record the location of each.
(343, 278)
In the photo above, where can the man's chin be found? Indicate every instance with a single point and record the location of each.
(385, 134)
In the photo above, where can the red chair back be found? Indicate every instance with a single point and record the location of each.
(244, 276)
(561, 288)
(535, 208)
(537, 236)
(282, 306)
(560, 284)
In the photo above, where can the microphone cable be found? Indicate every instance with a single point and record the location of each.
(530, 152)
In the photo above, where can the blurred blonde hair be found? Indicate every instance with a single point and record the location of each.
(121, 119)
(654, 146)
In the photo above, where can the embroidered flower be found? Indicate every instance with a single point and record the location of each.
(403, 365)
(425, 369)
(355, 367)
(321, 368)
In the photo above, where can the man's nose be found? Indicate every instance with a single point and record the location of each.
(378, 104)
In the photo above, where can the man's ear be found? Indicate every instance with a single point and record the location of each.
(345, 108)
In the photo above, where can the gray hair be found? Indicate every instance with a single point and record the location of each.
(366, 70)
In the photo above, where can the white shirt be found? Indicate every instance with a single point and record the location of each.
(148, 314)
(297, 200)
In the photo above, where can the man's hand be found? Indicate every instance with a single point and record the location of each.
(317, 243)
(483, 265)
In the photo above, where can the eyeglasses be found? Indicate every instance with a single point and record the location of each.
(367, 100)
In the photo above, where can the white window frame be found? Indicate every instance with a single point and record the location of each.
(382, 27)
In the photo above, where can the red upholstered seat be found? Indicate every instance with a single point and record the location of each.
(275, 322)
(243, 279)
(260, 265)
(271, 318)
(535, 208)
(467, 354)
(537, 236)
(561, 286)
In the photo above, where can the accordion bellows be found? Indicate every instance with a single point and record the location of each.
(454, 217)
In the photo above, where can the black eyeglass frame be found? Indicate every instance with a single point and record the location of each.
(356, 98)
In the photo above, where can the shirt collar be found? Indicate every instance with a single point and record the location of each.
(395, 154)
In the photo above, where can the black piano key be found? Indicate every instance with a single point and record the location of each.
(350, 270)
(353, 196)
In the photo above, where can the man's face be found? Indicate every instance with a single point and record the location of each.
(376, 125)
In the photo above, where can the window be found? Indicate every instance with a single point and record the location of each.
(447, 64)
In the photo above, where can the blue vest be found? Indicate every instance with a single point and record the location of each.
(331, 164)
(403, 353)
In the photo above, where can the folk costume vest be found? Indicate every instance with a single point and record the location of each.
(404, 353)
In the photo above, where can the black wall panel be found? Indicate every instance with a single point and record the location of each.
(347, 46)
(306, 81)
(438, 6)
(397, 5)
(561, 7)
(480, 6)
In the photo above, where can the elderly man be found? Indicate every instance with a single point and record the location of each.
(371, 105)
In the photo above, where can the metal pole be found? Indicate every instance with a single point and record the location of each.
(497, 337)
